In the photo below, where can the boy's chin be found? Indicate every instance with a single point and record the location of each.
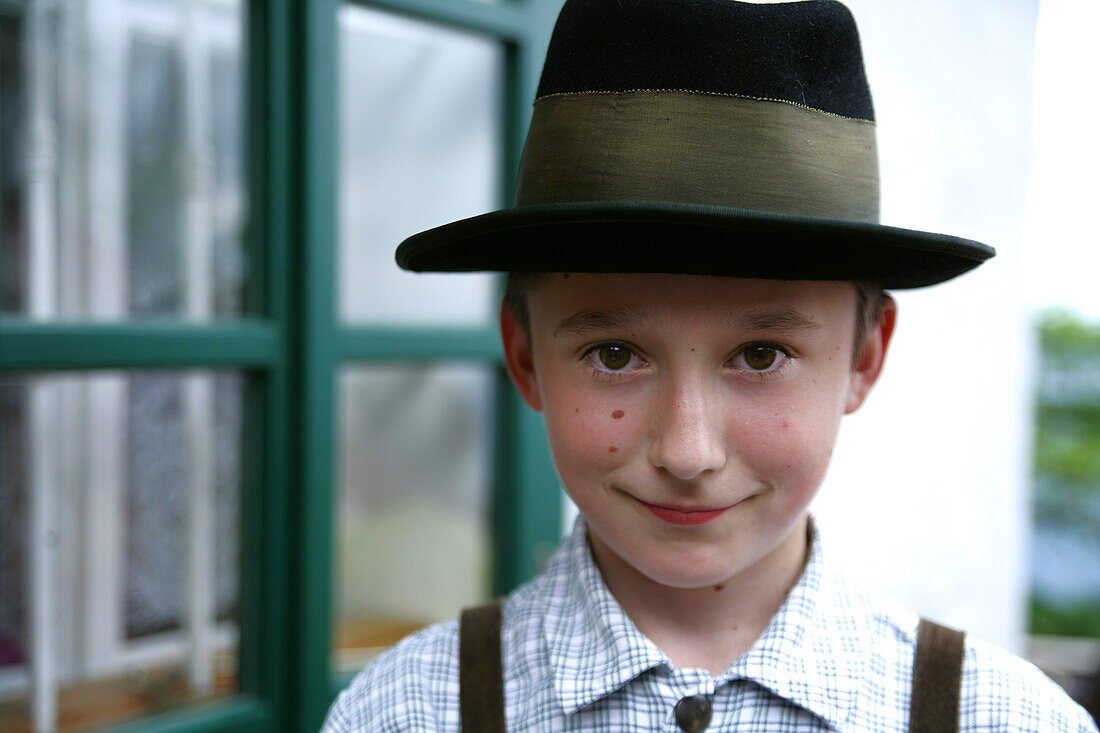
(696, 576)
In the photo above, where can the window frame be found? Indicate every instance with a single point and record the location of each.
(290, 345)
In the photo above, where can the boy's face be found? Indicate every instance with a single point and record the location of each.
(691, 418)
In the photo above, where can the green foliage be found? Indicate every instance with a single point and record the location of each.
(1067, 427)
(1081, 619)
(1062, 332)
(1067, 469)
(1068, 444)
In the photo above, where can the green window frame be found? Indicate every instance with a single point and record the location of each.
(291, 343)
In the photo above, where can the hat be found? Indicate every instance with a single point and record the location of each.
(700, 137)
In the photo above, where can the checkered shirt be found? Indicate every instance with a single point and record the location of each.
(834, 658)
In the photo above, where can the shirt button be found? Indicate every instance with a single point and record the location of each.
(693, 713)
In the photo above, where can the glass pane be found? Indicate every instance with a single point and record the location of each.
(1065, 545)
(412, 512)
(419, 146)
(119, 543)
(122, 184)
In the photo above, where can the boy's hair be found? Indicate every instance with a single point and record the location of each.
(869, 300)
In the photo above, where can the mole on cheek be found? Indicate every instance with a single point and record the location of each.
(617, 414)
(719, 587)
(612, 449)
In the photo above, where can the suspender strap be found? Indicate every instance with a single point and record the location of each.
(937, 678)
(481, 683)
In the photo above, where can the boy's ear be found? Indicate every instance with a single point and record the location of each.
(517, 355)
(869, 364)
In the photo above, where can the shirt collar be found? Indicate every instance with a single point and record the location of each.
(593, 645)
(811, 653)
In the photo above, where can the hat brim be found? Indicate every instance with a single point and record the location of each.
(632, 236)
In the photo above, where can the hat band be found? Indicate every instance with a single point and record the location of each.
(698, 148)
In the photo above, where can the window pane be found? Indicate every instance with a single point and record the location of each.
(419, 146)
(121, 172)
(119, 540)
(412, 511)
(1065, 546)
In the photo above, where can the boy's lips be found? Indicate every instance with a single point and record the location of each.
(685, 516)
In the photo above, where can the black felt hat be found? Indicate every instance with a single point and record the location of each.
(705, 137)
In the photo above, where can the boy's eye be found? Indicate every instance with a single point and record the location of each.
(612, 361)
(760, 356)
(762, 359)
(614, 357)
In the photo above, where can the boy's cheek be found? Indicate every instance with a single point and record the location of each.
(589, 432)
(792, 446)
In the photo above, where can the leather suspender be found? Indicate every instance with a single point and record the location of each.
(934, 707)
(480, 680)
(937, 679)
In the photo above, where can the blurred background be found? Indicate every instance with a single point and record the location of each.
(980, 443)
(241, 452)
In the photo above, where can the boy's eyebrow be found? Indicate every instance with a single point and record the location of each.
(592, 319)
(778, 320)
(782, 320)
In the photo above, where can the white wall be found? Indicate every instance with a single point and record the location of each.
(1061, 242)
(927, 495)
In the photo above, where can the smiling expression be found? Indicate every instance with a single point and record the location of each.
(691, 418)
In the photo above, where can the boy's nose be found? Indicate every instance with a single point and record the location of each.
(688, 442)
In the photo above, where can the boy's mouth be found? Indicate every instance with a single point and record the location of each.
(685, 516)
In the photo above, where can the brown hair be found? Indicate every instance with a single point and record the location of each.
(869, 301)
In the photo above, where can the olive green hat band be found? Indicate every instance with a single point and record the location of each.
(700, 148)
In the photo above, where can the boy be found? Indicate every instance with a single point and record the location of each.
(695, 300)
